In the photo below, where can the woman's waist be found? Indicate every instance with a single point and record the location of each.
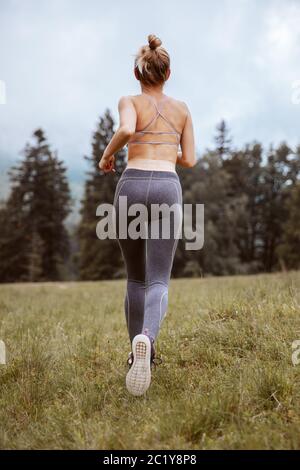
(152, 164)
(146, 176)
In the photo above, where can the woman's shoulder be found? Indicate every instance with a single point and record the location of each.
(179, 106)
(134, 99)
(125, 98)
(177, 102)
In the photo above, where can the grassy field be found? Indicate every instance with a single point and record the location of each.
(227, 380)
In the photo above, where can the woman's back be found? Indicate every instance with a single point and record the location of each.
(160, 121)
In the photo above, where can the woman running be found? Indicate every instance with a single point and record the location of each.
(153, 126)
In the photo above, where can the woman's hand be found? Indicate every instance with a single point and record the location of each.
(107, 164)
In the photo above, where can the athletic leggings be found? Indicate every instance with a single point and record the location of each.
(148, 261)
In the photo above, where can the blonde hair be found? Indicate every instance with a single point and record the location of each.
(152, 62)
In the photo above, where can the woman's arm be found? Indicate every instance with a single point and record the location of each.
(187, 158)
(127, 114)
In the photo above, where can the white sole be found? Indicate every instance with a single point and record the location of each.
(138, 378)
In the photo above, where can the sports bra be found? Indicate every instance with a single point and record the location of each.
(145, 130)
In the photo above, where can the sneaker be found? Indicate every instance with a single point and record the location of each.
(155, 361)
(138, 378)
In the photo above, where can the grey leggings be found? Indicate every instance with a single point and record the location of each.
(148, 261)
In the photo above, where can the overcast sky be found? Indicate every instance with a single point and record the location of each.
(64, 61)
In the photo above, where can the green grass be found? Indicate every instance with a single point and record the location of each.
(227, 380)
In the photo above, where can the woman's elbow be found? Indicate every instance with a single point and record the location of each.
(126, 131)
(190, 162)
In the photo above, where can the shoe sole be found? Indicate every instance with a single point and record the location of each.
(138, 378)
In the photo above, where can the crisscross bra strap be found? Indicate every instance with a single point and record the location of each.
(145, 130)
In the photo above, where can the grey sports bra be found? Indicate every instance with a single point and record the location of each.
(145, 130)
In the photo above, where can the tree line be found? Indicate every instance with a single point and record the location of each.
(252, 212)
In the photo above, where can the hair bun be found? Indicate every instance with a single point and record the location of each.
(154, 41)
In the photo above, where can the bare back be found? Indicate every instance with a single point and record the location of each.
(159, 127)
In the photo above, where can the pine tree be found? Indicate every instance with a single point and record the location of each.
(99, 259)
(222, 140)
(245, 170)
(34, 241)
(280, 174)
